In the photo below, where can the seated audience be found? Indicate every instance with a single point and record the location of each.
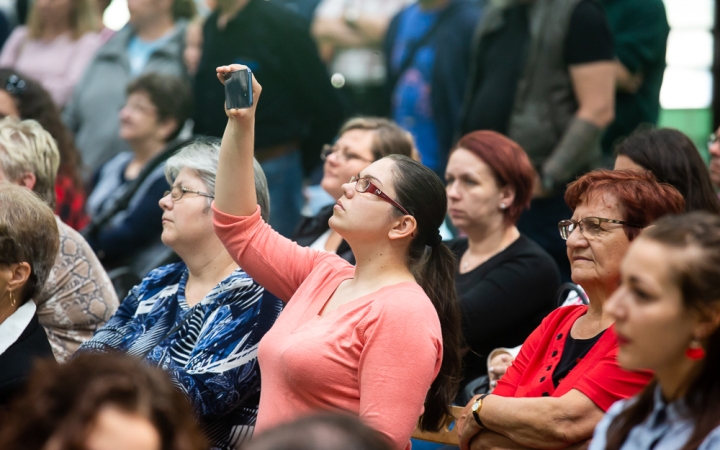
(326, 431)
(506, 283)
(667, 317)
(199, 319)
(566, 376)
(29, 242)
(372, 339)
(100, 402)
(672, 158)
(152, 41)
(78, 297)
(25, 98)
(56, 46)
(126, 221)
(362, 141)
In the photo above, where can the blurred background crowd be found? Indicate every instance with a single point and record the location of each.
(112, 113)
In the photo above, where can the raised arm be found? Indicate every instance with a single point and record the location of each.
(235, 181)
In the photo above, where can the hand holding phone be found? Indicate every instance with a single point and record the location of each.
(238, 89)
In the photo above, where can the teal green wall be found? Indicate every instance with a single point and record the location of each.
(696, 123)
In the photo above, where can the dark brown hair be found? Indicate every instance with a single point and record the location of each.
(697, 275)
(171, 96)
(508, 162)
(28, 233)
(325, 431)
(643, 200)
(62, 401)
(673, 158)
(422, 193)
(34, 102)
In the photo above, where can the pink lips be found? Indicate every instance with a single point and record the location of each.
(339, 205)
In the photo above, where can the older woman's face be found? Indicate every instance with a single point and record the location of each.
(474, 197)
(654, 328)
(595, 260)
(353, 153)
(139, 118)
(187, 221)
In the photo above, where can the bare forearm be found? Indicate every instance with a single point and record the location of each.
(490, 440)
(235, 181)
(337, 33)
(546, 422)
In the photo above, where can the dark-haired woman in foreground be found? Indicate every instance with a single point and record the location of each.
(370, 339)
(667, 313)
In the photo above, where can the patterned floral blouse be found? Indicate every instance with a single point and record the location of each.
(209, 350)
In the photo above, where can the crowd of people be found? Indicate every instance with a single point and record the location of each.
(389, 231)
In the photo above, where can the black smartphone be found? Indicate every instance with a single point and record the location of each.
(238, 89)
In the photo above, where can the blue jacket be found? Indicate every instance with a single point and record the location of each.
(452, 44)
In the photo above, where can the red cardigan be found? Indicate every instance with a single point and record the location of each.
(597, 375)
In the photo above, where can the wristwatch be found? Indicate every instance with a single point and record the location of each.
(476, 407)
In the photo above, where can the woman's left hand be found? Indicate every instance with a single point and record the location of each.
(466, 426)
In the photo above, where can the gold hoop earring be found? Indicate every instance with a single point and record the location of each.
(13, 302)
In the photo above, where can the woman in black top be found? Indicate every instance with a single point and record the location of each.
(362, 141)
(29, 242)
(506, 283)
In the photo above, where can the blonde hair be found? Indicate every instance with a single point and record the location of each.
(389, 138)
(83, 19)
(25, 146)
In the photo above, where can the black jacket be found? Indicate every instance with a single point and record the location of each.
(17, 361)
(311, 228)
(298, 102)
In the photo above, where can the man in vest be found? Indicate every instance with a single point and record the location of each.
(543, 74)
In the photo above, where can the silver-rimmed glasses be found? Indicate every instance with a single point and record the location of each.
(177, 192)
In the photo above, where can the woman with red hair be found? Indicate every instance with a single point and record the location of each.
(566, 375)
(506, 283)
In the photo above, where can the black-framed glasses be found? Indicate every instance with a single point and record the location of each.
(363, 184)
(589, 226)
(176, 193)
(15, 85)
(341, 153)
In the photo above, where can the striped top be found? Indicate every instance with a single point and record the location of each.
(209, 350)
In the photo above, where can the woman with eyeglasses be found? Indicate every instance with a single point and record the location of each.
(125, 220)
(566, 376)
(199, 319)
(362, 141)
(667, 318)
(379, 340)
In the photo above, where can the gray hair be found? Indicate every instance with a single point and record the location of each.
(202, 156)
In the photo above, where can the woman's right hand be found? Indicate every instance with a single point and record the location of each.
(246, 113)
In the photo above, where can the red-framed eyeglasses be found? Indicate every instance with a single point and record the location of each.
(363, 184)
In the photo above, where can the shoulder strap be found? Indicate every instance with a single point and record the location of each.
(415, 46)
(123, 201)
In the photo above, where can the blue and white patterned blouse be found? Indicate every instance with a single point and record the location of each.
(209, 350)
(666, 428)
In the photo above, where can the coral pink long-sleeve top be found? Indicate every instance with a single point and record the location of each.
(375, 356)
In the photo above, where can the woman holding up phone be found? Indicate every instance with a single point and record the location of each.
(370, 339)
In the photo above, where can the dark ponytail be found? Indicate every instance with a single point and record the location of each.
(422, 193)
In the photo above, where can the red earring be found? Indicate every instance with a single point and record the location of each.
(695, 351)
